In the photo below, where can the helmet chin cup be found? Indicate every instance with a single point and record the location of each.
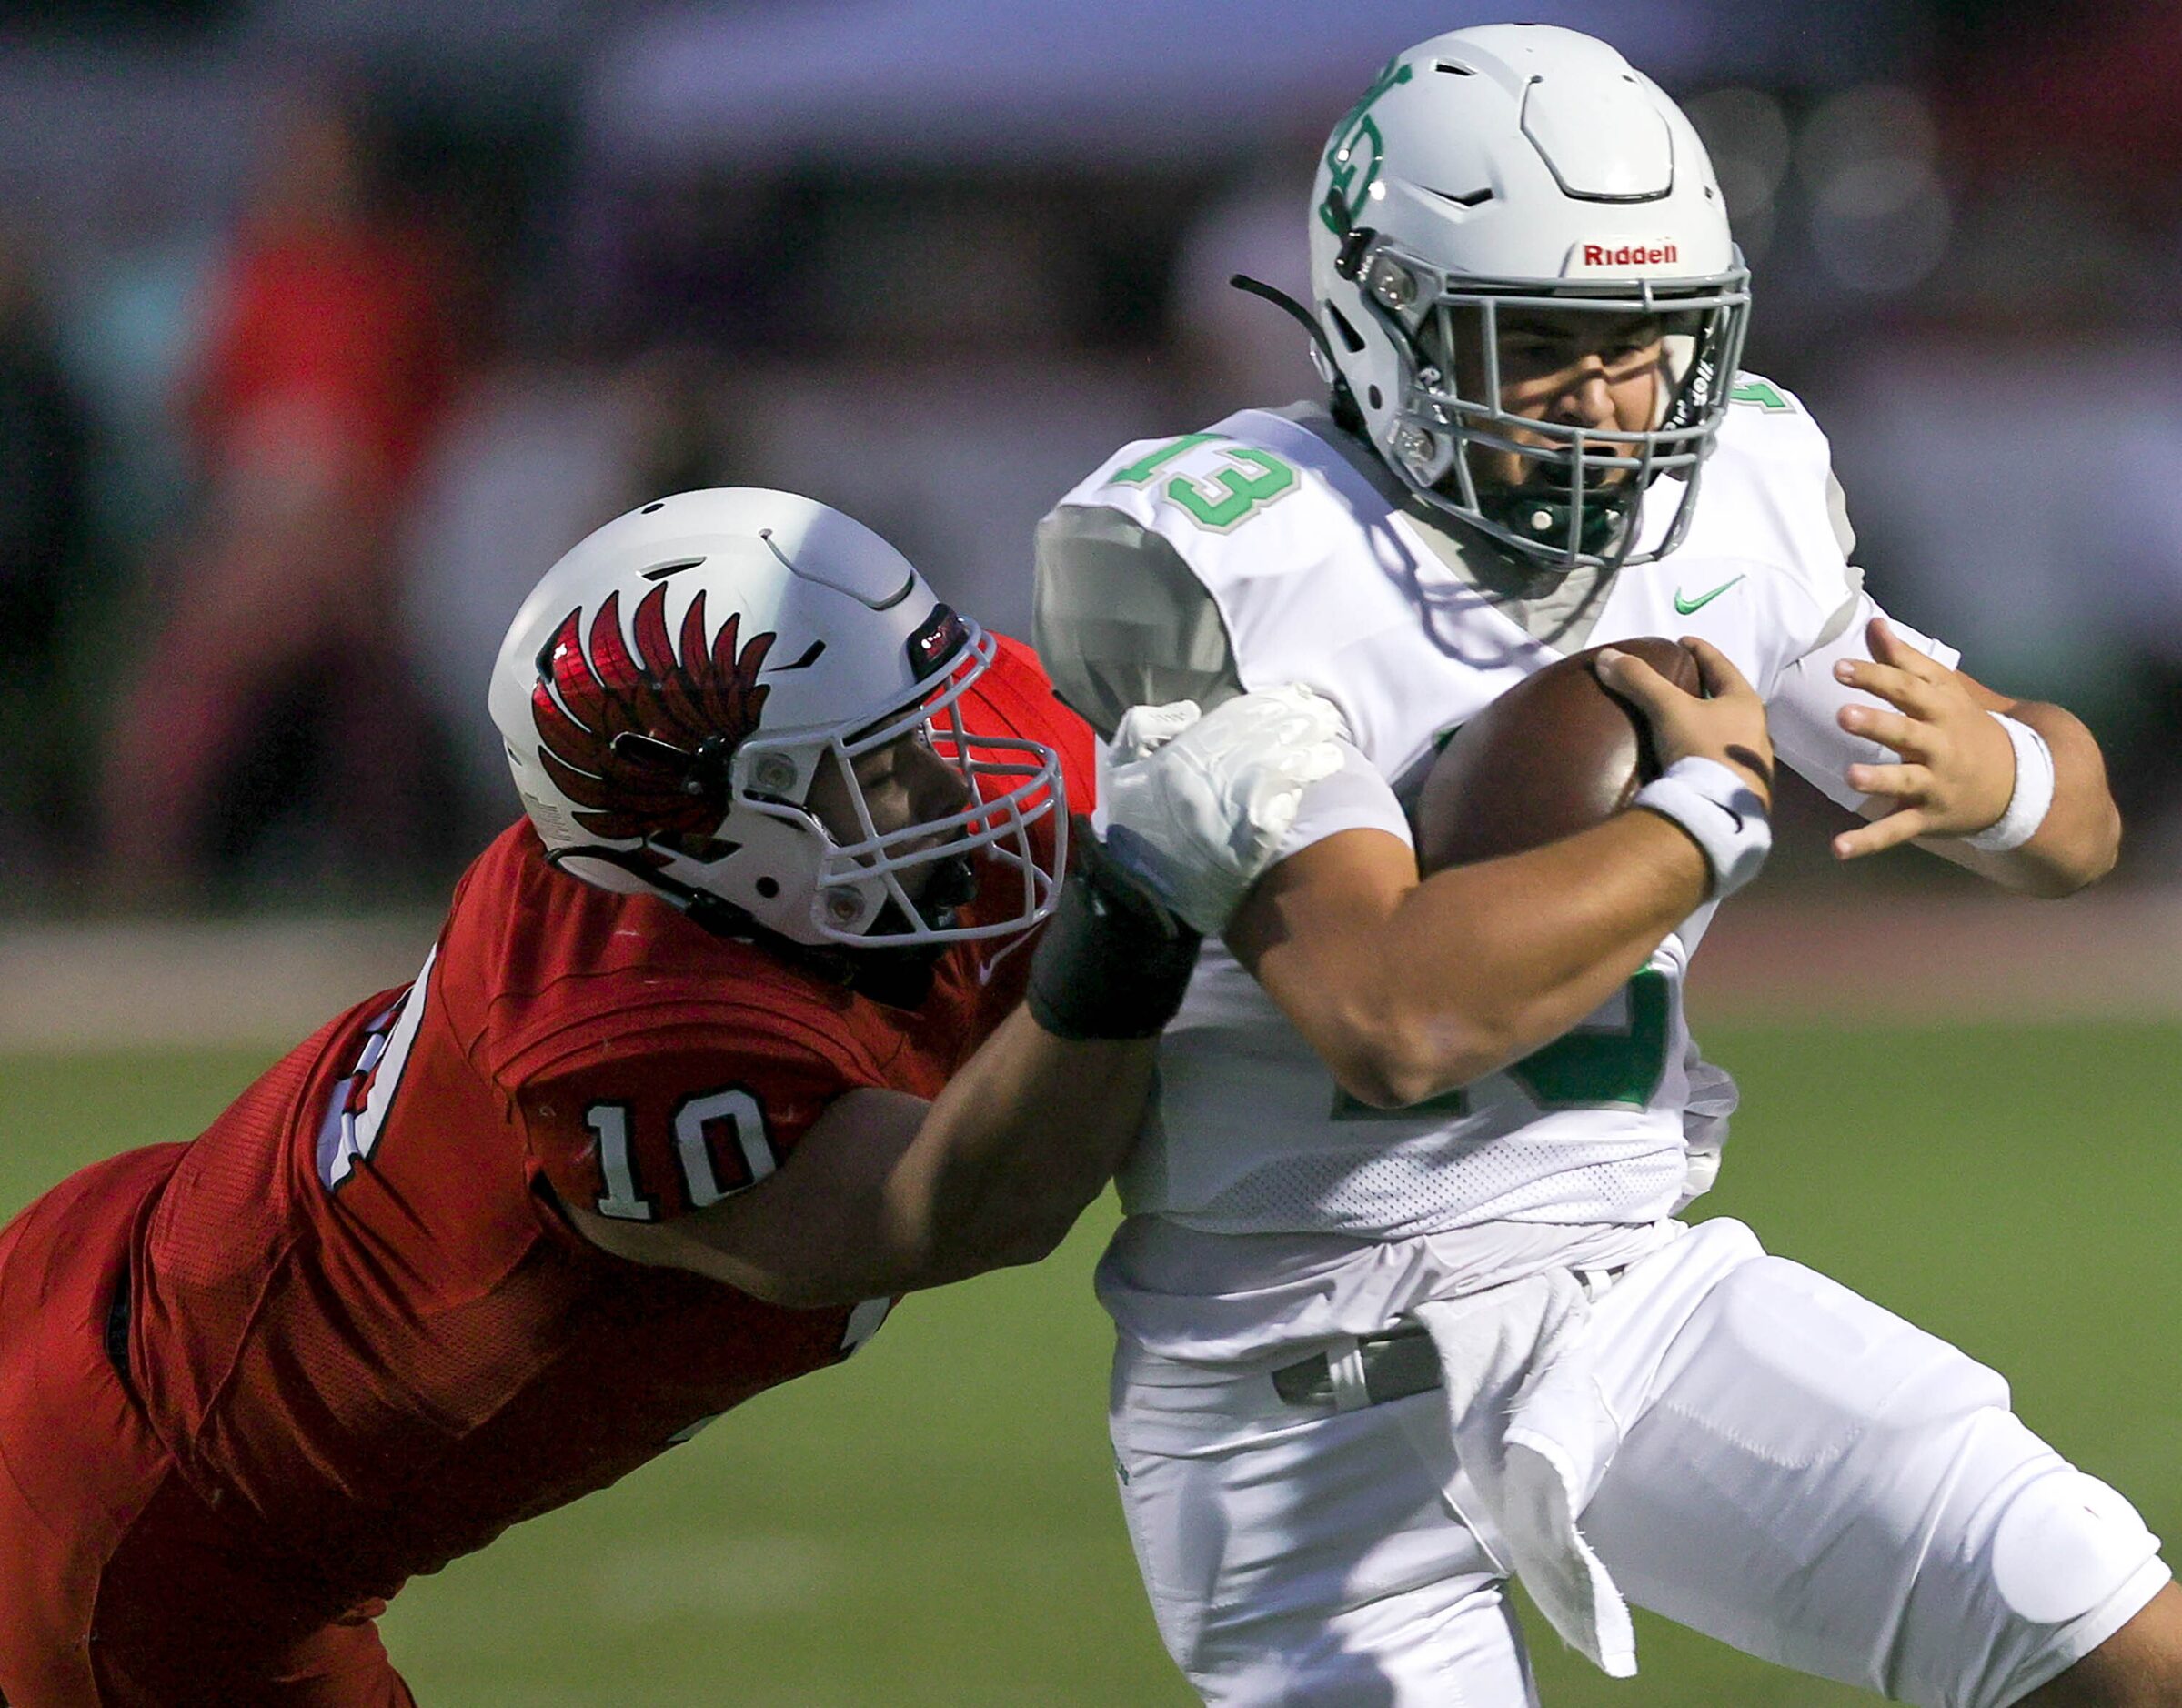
(1544, 516)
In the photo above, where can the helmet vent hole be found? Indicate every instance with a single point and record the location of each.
(1349, 335)
(659, 504)
(810, 657)
(1376, 397)
(1452, 69)
(660, 572)
(768, 886)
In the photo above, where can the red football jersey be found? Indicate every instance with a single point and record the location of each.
(361, 1325)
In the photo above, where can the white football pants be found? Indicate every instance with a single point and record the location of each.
(1800, 1474)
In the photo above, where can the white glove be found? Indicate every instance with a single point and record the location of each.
(1196, 804)
(1146, 728)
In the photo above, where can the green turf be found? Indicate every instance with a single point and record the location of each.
(934, 1523)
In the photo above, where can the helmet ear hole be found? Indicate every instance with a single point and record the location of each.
(768, 887)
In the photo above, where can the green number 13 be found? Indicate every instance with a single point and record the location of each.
(1228, 497)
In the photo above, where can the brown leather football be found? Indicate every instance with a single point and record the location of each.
(1555, 754)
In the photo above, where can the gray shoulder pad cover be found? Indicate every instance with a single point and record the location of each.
(1119, 620)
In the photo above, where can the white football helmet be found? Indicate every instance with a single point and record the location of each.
(1519, 166)
(667, 692)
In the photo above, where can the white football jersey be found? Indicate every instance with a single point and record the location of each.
(1262, 551)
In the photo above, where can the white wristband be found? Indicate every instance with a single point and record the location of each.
(1723, 814)
(2033, 796)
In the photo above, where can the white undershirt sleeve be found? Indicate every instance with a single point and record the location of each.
(1355, 797)
(1805, 710)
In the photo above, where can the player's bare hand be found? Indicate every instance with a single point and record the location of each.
(1726, 722)
(1956, 767)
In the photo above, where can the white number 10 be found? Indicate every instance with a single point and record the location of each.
(694, 1117)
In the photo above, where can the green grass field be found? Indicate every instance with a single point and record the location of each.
(933, 1526)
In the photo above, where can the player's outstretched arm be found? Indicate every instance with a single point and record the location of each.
(1957, 775)
(1407, 988)
(886, 1193)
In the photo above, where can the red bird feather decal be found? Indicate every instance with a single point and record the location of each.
(681, 699)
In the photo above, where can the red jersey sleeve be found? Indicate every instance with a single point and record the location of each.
(650, 1128)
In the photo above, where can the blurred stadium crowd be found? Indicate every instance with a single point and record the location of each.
(324, 328)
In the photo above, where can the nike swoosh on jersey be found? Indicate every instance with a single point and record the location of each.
(1686, 606)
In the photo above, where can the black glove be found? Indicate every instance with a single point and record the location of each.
(1112, 963)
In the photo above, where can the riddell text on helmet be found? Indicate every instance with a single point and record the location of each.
(1630, 255)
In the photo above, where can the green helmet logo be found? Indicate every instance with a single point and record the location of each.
(1354, 154)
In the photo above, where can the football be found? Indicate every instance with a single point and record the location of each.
(1556, 754)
